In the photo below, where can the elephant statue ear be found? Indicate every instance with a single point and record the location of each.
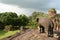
(37, 19)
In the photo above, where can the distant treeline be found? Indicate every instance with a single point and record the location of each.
(15, 21)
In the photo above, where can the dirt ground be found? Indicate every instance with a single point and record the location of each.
(31, 34)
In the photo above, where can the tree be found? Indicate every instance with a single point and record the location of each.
(33, 18)
(7, 16)
(7, 19)
(23, 20)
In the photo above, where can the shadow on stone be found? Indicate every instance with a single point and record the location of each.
(58, 34)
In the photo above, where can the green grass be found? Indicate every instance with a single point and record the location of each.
(4, 34)
(32, 27)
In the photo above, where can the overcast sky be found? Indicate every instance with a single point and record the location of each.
(28, 6)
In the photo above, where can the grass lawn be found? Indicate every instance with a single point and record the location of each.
(4, 34)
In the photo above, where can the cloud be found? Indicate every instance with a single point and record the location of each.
(28, 6)
(33, 4)
(42, 5)
(58, 11)
(15, 8)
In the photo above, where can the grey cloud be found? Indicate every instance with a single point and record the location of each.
(34, 4)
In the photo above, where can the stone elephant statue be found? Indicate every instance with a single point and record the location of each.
(45, 24)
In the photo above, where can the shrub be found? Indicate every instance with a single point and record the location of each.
(7, 28)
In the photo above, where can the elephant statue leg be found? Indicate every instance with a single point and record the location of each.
(50, 31)
(42, 29)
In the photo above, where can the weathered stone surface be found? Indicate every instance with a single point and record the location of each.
(30, 34)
